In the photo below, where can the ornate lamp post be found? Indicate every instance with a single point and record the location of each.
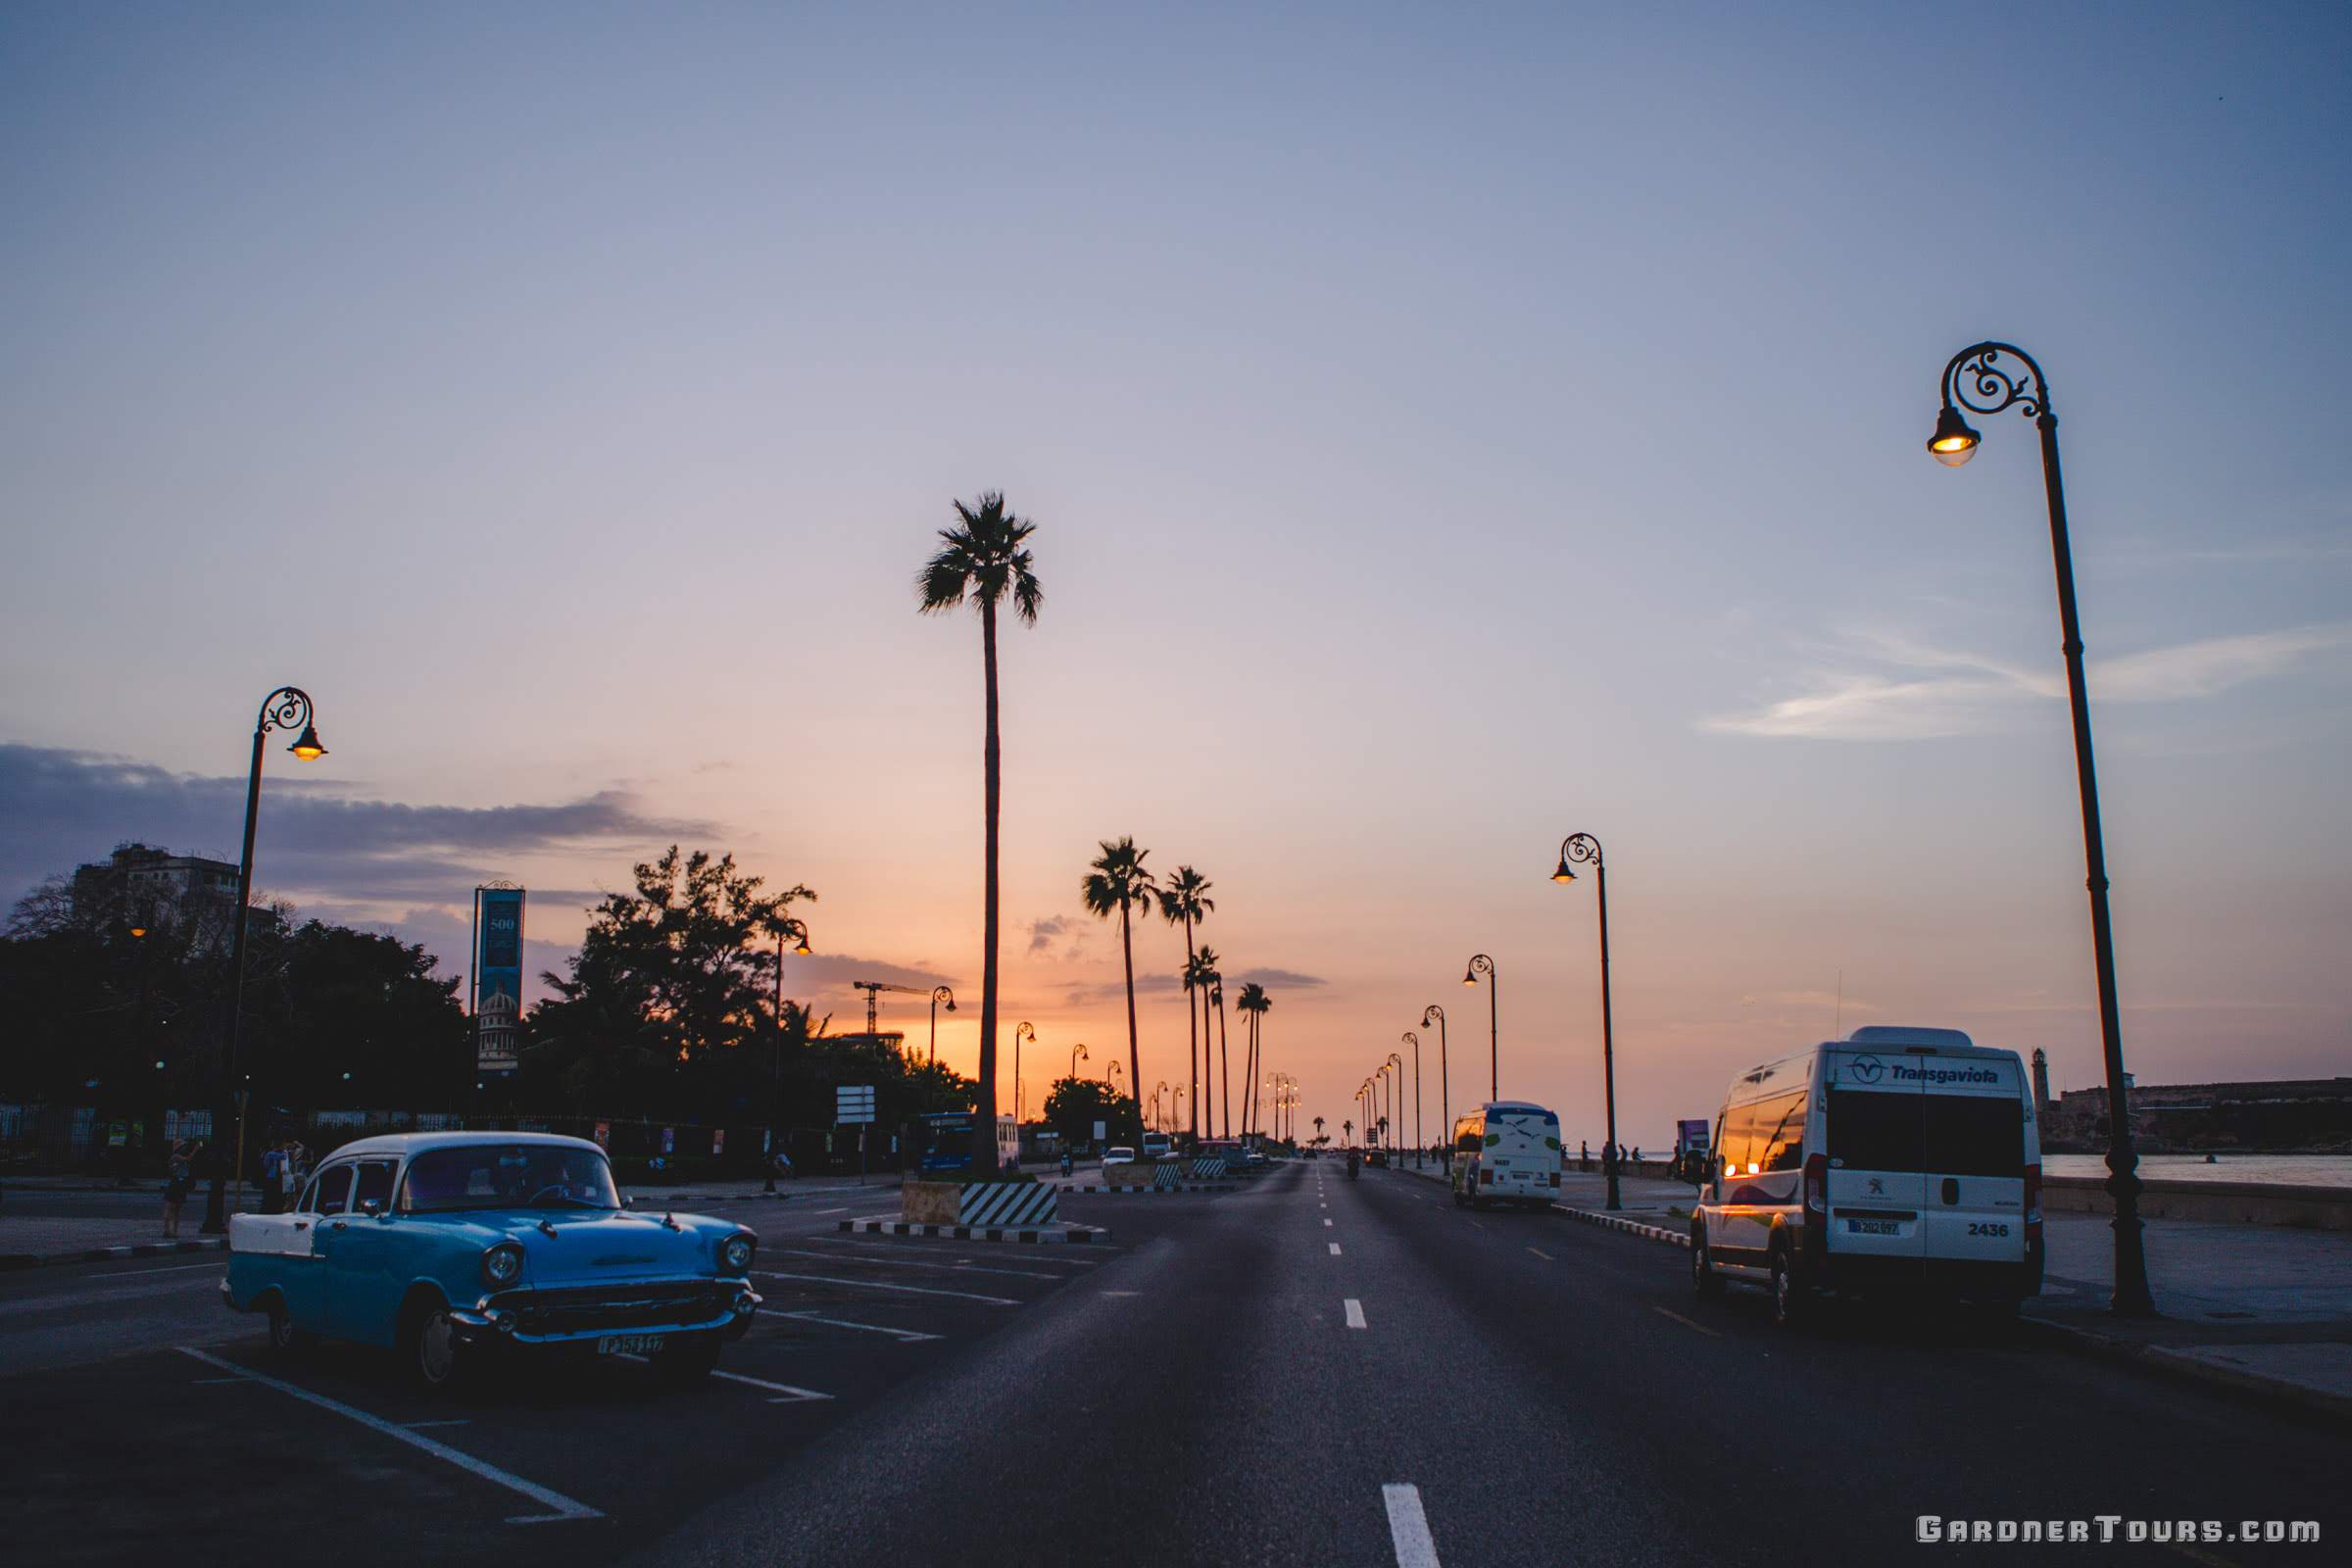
(1420, 1143)
(939, 994)
(1978, 379)
(1480, 964)
(788, 926)
(1078, 1053)
(1159, 1117)
(1397, 1062)
(1445, 1110)
(1026, 1031)
(1585, 849)
(283, 708)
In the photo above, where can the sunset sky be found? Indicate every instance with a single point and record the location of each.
(1447, 430)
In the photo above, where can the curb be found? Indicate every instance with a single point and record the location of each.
(101, 1255)
(1190, 1186)
(1617, 1222)
(2165, 1361)
(967, 1233)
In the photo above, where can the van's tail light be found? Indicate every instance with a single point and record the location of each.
(1817, 1184)
(2034, 1197)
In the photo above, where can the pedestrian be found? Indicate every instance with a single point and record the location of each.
(176, 1177)
(1584, 1153)
(289, 1175)
(274, 1165)
(1637, 1153)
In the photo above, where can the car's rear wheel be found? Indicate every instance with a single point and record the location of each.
(686, 1357)
(284, 1337)
(1791, 1302)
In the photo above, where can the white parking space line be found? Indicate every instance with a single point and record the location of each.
(1335, 1248)
(791, 1395)
(958, 1266)
(563, 1507)
(881, 1285)
(1356, 1312)
(909, 1336)
(1409, 1527)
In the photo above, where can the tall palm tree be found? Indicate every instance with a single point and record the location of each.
(1208, 982)
(1185, 900)
(1251, 1005)
(1118, 881)
(1318, 1129)
(1216, 994)
(984, 557)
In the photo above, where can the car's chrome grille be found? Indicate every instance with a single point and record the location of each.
(644, 1303)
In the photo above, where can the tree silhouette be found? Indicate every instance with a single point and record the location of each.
(1118, 881)
(1185, 900)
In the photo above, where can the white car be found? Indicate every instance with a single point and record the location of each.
(1118, 1154)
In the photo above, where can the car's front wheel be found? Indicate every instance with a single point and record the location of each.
(429, 1349)
(1792, 1302)
(687, 1357)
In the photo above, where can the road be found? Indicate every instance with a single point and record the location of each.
(1310, 1370)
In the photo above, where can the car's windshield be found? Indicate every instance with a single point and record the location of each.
(508, 1176)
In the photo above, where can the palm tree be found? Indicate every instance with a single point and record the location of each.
(1216, 994)
(984, 556)
(1318, 1129)
(1251, 1005)
(1118, 881)
(1207, 980)
(1185, 900)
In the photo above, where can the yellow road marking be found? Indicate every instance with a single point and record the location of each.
(1686, 1323)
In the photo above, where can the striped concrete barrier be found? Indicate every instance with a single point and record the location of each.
(1006, 1203)
(968, 1233)
(1632, 1227)
(1208, 1169)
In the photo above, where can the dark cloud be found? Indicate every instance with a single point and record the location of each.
(63, 808)
(1278, 979)
(1043, 934)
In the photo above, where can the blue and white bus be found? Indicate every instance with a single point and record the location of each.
(945, 1142)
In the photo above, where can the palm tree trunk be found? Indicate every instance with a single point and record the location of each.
(1224, 1065)
(1249, 1076)
(984, 1121)
(1135, 1069)
(1193, 1041)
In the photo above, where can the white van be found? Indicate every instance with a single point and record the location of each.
(1506, 1152)
(1896, 1160)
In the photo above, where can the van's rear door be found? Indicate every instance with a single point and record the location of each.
(1976, 1179)
(1878, 1185)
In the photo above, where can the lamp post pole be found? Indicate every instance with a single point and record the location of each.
(1028, 1031)
(939, 994)
(1078, 1053)
(283, 708)
(1445, 1109)
(1585, 849)
(1480, 964)
(1420, 1141)
(776, 1084)
(1396, 1138)
(1978, 381)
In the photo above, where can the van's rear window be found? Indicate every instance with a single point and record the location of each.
(1941, 1135)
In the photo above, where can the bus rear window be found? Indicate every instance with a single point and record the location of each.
(1940, 1135)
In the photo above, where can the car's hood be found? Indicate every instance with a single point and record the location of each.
(582, 1247)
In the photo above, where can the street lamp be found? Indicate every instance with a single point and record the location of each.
(1078, 1053)
(1978, 379)
(1585, 849)
(1444, 1109)
(283, 708)
(1027, 1031)
(1420, 1143)
(1396, 1061)
(787, 926)
(939, 994)
(1480, 964)
(1159, 1118)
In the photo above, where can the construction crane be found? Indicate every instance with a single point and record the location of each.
(871, 987)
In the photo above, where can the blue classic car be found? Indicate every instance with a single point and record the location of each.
(448, 1247)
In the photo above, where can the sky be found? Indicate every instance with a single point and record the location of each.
(1447, 430)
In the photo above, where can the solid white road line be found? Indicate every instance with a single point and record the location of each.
(792, 1395)
(910, 1336)
(958, 1264)
(878, 1285)
(1356, 1312)
(1335, 1248)
(1686, 1323)
(564, 1507)
(1409, 1527)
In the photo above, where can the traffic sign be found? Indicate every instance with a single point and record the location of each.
(853, 1102)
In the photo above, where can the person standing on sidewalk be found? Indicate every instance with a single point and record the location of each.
(175, 1184)
(273, 1167)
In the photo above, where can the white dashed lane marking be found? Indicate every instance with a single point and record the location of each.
(1335, 1248)
(1356, 1312)
(1409, 1527)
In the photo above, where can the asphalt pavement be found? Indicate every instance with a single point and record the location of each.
(1309, 1370)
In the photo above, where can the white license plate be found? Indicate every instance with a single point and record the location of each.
(1874, 1227)
(629, 1345)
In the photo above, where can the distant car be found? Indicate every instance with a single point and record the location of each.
(446, 1247)
(1118, 1154)
(1376, 1156)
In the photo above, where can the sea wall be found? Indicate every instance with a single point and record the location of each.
(2319, 1208)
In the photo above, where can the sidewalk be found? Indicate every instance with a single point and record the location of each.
(31, 1240)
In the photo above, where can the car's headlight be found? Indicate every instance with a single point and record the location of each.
(502, 1265)
(735, 1253)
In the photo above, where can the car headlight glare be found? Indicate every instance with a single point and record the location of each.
(502, 1265)
(735, 1253)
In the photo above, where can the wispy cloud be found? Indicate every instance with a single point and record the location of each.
(1043, 934)
(1893, 688)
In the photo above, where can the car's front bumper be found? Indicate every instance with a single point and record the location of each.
(570, 1314)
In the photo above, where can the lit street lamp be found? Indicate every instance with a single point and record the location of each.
(1978, 381)
(1078, 1053)
(939, 994)
(1444, 1109)
(1027, 1031)
(283, 708)
(1480, 964)
(1585, 849)
(1398, 1063)
(1420, 1143)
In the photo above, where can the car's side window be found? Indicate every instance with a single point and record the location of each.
(329, 1190)
(374, 1186)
